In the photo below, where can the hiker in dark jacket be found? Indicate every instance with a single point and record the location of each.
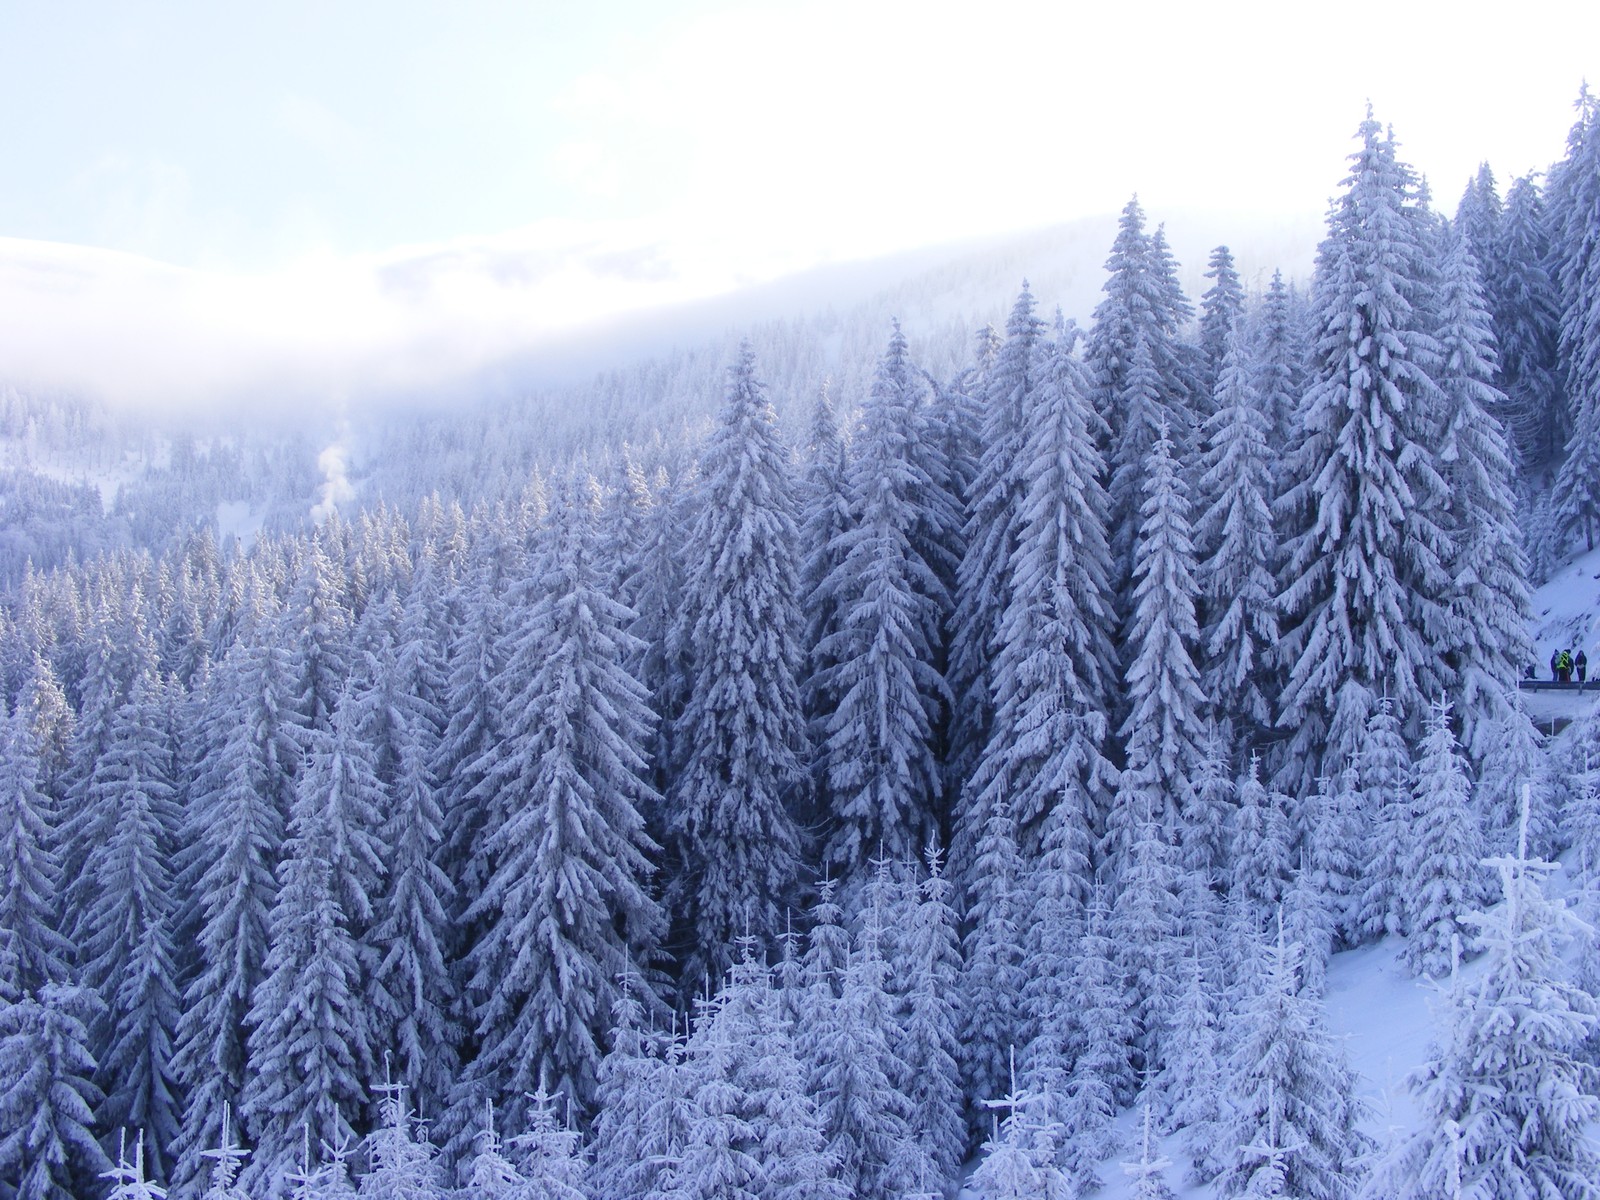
(1555, 665)
(1582, 663)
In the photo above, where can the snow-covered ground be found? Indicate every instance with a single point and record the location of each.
(106, 478)
(238, 519)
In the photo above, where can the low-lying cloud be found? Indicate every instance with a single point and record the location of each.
(409, 324)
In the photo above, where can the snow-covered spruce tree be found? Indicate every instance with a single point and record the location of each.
(1145, 929)
(309, 1049)
(1487, 640)
(235, 832)
(983, 587)
(884, 912)
(48, 1149)
(1236, 548)
(1269, 1178)
(1507, 1107)
(930, 1038)
(1278, 357)
(310, 1179)
(1575, 211)
(1514, 758)
(788, 1136)
(993, 979)
(32, 952)
(316, 625)
(422, 641)
(826, 957)
(1052, 666)
(1440, 881)
(350, 791)
(951, 449)
(85, 824)
(825, 515)
(1583, 815)
(1291, 1088)
(1163, 725)
(957, 413)
(742, 729)
(478, 643)
(1478, 213)
(941, 447)
(1060, 881)
(715, 1162)
(566, 908)
(477, 650)
(47, 1096)
(1366, 584)
(127, 1179)
(395, 708)
(1148, 1175)
(645, 1110)
(491, 1175)
(1102, 1078)
(1193, 1065)
(1260, 845)
(403, 1165)
(1308, 922)
(226, 1158)
(549, 1155)
(623, 1093)
(664, 628)
(1221, 308)
(1384, 770)
(882, 777)
(863, 1114)
(1211, 804)
(1018, 1160)
(412, 994)
(1526, 311)
(624, 524)
(1184, 371)
(49, 719)
(128, 951)
(1139, 380)
(1335, 844)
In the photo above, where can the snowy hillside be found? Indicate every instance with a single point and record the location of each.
(923, 746)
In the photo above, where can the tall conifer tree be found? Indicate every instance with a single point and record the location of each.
(566, 908)
(1367, 578)
(882, 776)
(731, 807)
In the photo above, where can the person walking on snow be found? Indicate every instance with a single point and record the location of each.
(1564, 666)
(1555, 666)
(1582, 663)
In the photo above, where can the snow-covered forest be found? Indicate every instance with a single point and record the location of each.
(961, 774)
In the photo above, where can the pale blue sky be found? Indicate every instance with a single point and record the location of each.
(241, 134)
(246, 135)
(350, 182)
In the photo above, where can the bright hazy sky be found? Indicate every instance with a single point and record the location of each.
(551, 161)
